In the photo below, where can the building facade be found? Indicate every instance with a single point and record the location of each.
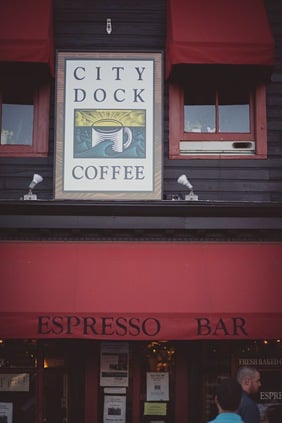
(140, 207)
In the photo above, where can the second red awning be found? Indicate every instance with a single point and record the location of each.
(234, 32)
(26, 32)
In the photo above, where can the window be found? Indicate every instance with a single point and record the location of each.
(24, 110)
(26, 57)
(215, 113)
(217, 110)
(218, 56)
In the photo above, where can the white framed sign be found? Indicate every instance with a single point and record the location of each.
(108, 126)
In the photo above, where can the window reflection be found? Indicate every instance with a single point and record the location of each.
(18, 354)
(17, 124)
(217, 110)
(234, 110)
(199, 110)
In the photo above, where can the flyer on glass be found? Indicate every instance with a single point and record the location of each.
(157, 386)
(114, 409)
(6, 412)
(114, 364)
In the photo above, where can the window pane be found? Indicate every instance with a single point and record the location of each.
(18, 354)
(17, 124)
(234, 110)
(199, 110)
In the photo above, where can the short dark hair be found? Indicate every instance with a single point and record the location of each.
(229, 394)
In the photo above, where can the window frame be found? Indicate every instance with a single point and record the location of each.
(177, 134)
(40, 134)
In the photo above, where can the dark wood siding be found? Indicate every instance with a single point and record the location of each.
(141, 26)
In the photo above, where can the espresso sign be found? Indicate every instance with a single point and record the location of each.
(108, 131)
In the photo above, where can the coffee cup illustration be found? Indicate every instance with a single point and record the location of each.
(114, 131)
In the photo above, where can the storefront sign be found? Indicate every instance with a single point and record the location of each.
(134, 326)
(151, 290)
(261, 362)
(140, 326)
(108, 134)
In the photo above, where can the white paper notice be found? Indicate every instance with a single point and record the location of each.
(6, 412)
(114, 364)
(114, 409)
(157, 386)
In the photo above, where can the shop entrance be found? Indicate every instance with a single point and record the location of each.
(93, 382)
(55, 396)
(62, 382)
(158, 382)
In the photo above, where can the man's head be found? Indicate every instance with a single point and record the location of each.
(228, 395)
(249, 379)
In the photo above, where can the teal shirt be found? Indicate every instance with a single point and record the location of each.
(227, 418)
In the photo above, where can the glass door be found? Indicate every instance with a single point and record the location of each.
(158, 384)
(55, 396)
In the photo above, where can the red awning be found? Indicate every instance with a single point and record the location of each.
(233, 32)
(123, 290)
(26, 32)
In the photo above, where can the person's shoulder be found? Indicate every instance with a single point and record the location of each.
(227, 418)
(246, 399)
(248, 409)
(245, 395)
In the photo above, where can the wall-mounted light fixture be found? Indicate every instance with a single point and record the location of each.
(35, 180)
(182, 180)
(109, 26)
